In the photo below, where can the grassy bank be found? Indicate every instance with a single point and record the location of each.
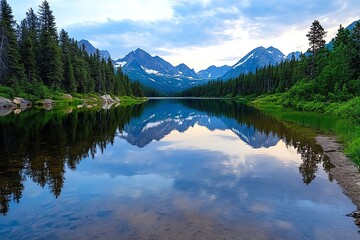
(341, 119)
(61, 98)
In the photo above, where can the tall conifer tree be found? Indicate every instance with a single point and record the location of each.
(50, 64)
(11, 68)
(28, 45)
(316, 37)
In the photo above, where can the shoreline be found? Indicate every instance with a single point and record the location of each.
(345, 172)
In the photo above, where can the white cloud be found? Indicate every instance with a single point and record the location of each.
(69, 12)
(198, 33)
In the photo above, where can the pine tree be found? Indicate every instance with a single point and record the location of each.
(355, 60)
(49, 61)
(110, 77)
(342, 37)
(120, 89)
(28, 43)
(316, 37)
(68, 80)
(136, 89)
(11, 68)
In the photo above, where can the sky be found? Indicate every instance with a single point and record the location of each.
(198, 33)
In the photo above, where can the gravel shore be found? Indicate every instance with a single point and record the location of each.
(345, 172)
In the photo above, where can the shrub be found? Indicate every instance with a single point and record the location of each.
(7, 92)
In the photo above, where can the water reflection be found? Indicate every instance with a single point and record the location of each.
(159, 120)
(166, 170)
(40, 144)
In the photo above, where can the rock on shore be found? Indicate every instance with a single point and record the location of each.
(6, 103)
(48, 104)
(108, 99)
(22, 102)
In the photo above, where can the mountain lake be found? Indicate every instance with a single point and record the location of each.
(166, 169)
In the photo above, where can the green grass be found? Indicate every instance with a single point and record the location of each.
(129, 100)
(340, 119)
(60, 99)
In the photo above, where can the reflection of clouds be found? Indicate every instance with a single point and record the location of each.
(228, 143)
(223, 188)
(260, 208)
(283, 224)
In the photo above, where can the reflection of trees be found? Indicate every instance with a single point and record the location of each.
(38, 144)
(300, 138)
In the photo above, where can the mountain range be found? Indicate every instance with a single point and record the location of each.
(157, 73)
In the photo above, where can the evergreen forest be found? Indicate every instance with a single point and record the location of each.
(323, 75)
(36, 61)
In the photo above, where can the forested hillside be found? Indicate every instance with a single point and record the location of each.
(320, 76)
(36, 61)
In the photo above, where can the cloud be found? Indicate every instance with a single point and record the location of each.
(198, 32)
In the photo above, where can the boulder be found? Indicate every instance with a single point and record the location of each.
(68, 96)
(22, 101)
(116, 99)
(357, 221)
(103, 98)
(107, 98)
(6, 103)
(354, 214)
(48, 104)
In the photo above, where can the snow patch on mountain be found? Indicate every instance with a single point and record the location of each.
(242, 62)
(151, 71)
(119, 64)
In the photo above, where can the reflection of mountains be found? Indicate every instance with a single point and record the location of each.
(39, 145)
(162, 119)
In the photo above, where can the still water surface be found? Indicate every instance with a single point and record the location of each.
(168, 169)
